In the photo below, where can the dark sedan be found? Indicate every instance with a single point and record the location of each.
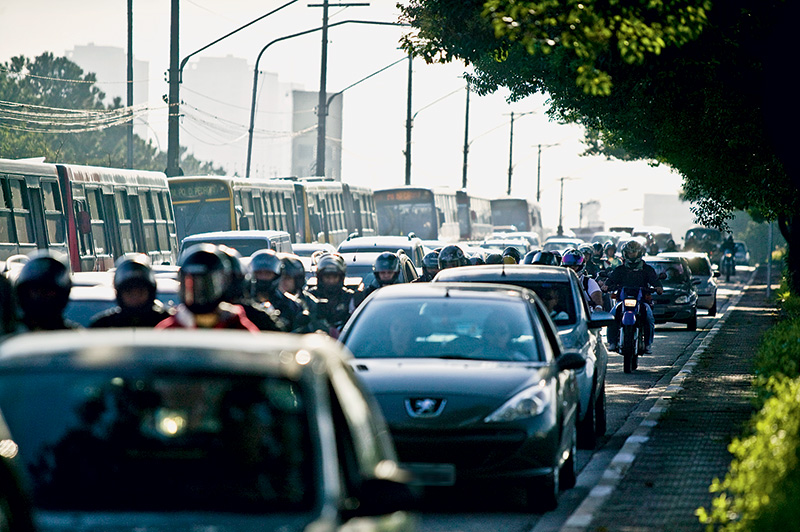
(473, 382)
(135, 429)
(678, 303)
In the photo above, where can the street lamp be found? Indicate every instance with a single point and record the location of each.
(255, 75)
(560, 230)
(511, 149)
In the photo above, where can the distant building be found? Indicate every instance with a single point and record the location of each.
(304, 128)
(669, 211)
(110, 65)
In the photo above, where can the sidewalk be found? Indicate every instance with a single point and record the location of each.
(662, 473)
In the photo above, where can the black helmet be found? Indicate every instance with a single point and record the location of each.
(528, 257)
(632, 253)
(598, 248)
(265, 260)
(430, 264)
(557, 255)
(44, 271)
(573, 257)
(331, 264)
(452, 256)
(205, 278)
(293, 267)
(386, 262)
(609, 245)
(494, 258)
(476, 260)
(134, 271)
(545, 257)
(513, 253)
(239, 279)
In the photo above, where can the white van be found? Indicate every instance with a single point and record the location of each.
(245, 242)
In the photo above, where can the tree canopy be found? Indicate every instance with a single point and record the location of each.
(684, 83)
(50, 108)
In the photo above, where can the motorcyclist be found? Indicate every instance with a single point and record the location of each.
(724, 248)
(430, 267)
(671, 246)
(135, 286)
(634, 273)
(386, 270)
(42, 291)
(575, 260)
(476, 260)
(8, 307)
(511, 255)
(610, 250)
(494, 258)
(262, 292)
(598, 257)
(452, 256)
(295, 305)
(206, 279)
(335, 301)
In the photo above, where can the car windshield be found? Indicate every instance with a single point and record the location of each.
(444, 328)
(675, 272)
(245, 246)
(139, 441)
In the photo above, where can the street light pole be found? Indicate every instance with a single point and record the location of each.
(409, 120)
(511, 150)
(466, 143)
(539, 169)
(560, 231)
(258, 60)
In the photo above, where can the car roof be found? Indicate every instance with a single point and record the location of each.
(661, 258)
(175, 348)
(251, 233)
(684, 254)
(500, 272)
(379, 241)
(454, 290)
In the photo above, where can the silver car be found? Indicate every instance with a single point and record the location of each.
(578, 329)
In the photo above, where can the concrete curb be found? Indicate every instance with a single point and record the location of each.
(581, 518)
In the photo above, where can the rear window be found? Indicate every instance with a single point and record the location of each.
(245, 246)
(674, 271)
(445, 328)
(138, 441)
(700, 266)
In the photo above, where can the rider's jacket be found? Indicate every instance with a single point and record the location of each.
(644, 277)
(334, 306)
(128, 317)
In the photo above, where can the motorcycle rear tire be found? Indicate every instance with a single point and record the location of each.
(628, 348)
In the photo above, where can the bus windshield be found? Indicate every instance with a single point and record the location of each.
(511, 212)
(403, 218)
(202, 217)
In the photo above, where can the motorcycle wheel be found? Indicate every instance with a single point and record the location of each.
(628, 347)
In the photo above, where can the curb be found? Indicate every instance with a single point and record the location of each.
(582, 517)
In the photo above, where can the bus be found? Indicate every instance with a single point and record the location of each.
(520, 213)
(474, 216)
(431, 214)
(91, 214)
(310, 210)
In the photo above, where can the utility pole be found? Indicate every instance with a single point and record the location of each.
(409, 120)
(130, 82)
(560, 231)
(173, 149)
(539, 169)
(511, 150)
(466, 144)
(322, 107)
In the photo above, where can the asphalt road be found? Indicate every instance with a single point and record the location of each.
(629, 398)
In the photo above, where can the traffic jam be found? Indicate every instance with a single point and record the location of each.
(383, 379)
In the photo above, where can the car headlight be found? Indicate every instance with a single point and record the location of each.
(528, 403)
(682, 300)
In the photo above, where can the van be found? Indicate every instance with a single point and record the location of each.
(245, 242)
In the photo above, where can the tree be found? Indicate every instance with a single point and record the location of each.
(49, 108)
(687, 83)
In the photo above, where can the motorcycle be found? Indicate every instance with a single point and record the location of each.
(634, 321)
(728, 265)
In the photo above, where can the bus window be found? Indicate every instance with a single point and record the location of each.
(258, 211)
(6, 227)
(98, 235)
(54, 217)
(124, 222)
(162, 223)
(22, 214)
(148, 220)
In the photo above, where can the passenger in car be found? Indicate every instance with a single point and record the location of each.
(552, 300)
(497, 338)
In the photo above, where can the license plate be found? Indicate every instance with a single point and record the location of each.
(423, 474)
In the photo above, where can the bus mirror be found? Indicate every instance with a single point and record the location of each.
(84, 223)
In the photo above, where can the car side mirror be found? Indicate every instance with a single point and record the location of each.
(600, 319)
(570, 360)
(662, 276)
(716, 273)
(379, 496)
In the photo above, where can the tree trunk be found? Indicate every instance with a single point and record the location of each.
(790, 229)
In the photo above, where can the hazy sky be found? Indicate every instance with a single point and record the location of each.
(374, 111)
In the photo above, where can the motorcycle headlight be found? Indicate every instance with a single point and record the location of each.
(630, 303)
(528, 403)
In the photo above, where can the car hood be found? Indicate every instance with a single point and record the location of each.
(464, 391)
(48, 521)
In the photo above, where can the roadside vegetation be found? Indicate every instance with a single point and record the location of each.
(762, 486)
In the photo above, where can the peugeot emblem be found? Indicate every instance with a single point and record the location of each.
(424, 406)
